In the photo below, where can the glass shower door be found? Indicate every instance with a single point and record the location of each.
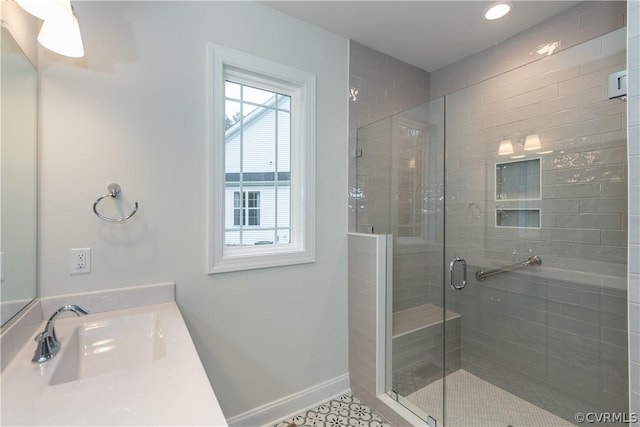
(536, 214)
(399, 192)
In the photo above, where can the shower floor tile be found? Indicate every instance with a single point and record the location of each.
(343, 411)
(472, 401)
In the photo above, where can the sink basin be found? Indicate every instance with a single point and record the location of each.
(103, 346)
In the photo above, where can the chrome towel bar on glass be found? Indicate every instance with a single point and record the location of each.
(531, 261)
(114, 190)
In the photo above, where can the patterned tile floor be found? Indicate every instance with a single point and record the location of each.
(343, 411)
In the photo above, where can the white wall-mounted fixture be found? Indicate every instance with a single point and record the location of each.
(45, 9)
(497, 10)
(617, 85)
(62, 35)
(60, 31)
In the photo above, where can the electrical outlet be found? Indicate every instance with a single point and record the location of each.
(80, 260)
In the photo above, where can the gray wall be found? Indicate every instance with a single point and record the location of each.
(560, 345)
(384, 86)
(400, 182)
(583, 201)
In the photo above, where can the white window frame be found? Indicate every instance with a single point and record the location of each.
(301, 85)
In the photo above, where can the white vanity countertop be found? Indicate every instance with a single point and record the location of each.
(172, 390)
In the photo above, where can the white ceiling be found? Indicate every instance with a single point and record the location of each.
(427, 34)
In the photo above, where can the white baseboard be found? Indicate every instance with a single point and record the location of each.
(281, 409)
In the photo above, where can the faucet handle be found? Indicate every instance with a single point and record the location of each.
(47, 347)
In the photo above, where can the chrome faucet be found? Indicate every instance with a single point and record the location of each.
(48, 344)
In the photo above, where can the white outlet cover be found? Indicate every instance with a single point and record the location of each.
(80, 261)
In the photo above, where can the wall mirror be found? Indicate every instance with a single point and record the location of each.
(18, 175)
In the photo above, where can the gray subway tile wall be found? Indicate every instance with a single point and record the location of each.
(362, 253)
(583, 174)
(380, 86)
(564, 336)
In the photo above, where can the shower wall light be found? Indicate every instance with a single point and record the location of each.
(532, 142)
(60, 31)
(506, 147)
(529, 142)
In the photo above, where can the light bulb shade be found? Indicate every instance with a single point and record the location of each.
(505, 147)
(46, 9)
(532, 142)
(62, 35)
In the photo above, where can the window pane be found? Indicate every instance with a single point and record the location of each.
(254, 199)
(284, 207)
(232, 216)
(284, 102)
(253, 205)
(284, 142)
(257, 237)
(259, 141)
(231, 113)
(254, 147)
(231, 90)
(237, 208)
(283, 236)
(232, 238)
(256, 96)
(254, 216)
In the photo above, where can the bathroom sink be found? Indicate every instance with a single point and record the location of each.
(103, 346)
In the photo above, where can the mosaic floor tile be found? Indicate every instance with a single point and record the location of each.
(343, 411)
(472, 401)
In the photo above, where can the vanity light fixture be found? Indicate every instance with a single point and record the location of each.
(62, 35)
(60, 31)
(45, 9)
(497, 10)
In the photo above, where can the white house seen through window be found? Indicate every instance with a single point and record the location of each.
(257, 165)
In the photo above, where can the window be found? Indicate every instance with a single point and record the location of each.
(262, 166)
(246, 208)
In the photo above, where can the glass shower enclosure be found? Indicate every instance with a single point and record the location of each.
(506, 202)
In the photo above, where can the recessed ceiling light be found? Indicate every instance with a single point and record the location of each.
(497, 10)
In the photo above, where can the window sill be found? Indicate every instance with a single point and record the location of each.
(244, 261)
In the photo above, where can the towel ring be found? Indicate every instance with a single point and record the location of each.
(114, 190)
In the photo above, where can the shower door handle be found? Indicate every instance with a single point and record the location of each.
(452, 267)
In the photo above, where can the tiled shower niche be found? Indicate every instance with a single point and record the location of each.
(518, 181)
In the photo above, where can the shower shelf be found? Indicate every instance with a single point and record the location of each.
(420, 317)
